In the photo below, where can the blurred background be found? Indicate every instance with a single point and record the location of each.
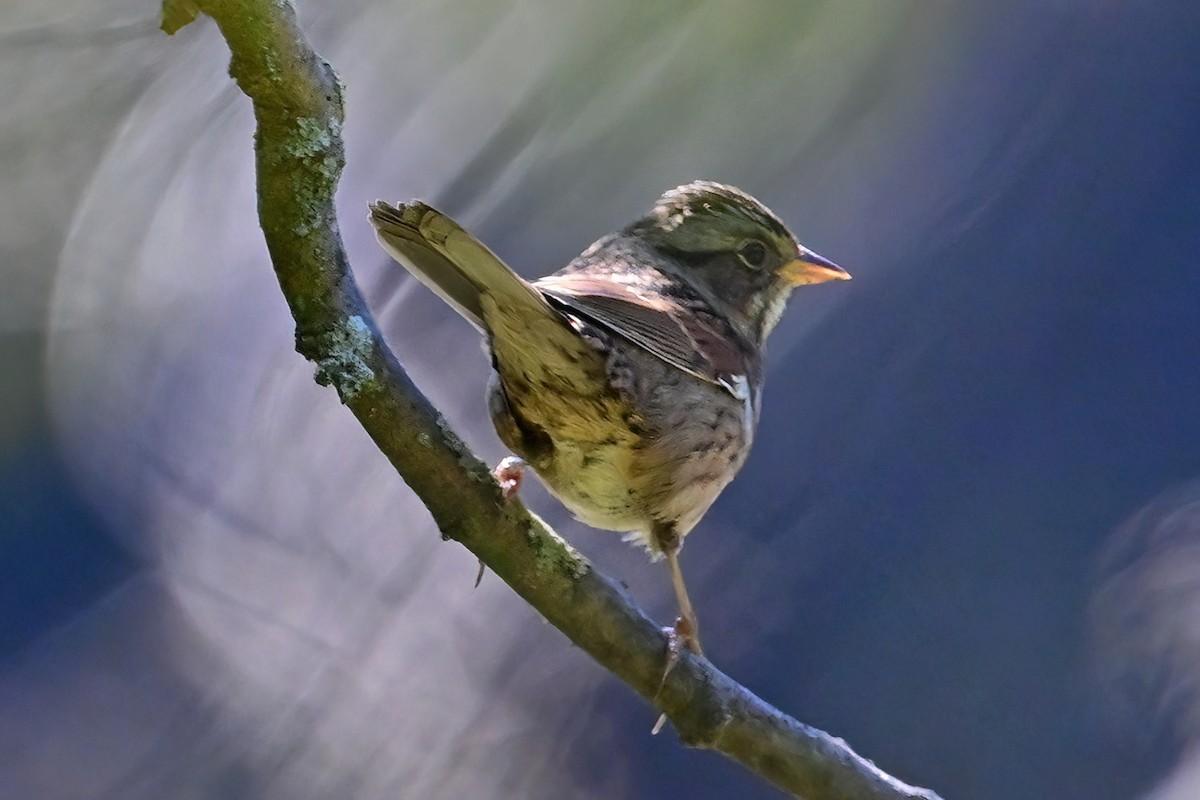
(968, 540)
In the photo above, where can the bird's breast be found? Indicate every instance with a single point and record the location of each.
(652, 444)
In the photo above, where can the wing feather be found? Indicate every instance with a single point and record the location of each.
(664, 328)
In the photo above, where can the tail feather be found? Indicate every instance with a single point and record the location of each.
(449, 260)
(541, 360)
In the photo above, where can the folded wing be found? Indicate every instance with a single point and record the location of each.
(664, 328)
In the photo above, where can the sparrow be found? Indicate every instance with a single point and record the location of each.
(631, 380)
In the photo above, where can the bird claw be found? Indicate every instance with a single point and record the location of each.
(685, 631)
(508, 473)
(675, 645)
(679, 636)
(682, 634)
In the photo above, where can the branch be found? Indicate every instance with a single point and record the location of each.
(298, 107)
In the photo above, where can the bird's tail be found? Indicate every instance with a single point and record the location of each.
(450, 261)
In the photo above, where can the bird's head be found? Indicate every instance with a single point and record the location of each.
(734, 250)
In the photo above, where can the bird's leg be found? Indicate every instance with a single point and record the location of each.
(686, 632)
(686, 626)
(508, 473)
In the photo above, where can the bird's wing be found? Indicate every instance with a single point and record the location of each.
(450, 261)
(664, 328)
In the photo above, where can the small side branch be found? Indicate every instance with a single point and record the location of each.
(298, 108)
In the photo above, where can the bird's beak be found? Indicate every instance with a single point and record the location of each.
(811, 268)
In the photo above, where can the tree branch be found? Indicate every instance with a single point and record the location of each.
(298, 107)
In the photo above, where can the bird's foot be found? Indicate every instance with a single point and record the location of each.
(681, 635)
(509, 473)
(687, 630)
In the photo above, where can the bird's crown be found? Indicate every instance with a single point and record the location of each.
(707, 216)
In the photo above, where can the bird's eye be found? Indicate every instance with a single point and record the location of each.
(753, 253)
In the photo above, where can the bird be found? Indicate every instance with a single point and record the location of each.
(631, 380)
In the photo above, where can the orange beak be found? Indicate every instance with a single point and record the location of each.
(811, 268)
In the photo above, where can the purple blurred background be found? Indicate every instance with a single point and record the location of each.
(968, 540)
